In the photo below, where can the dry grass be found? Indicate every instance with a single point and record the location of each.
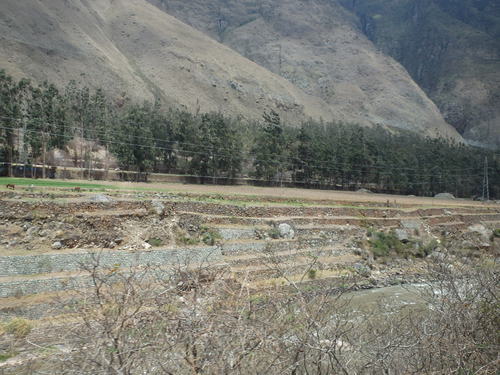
(305, 195)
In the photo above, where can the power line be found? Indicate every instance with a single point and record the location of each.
(106, 132)
(277, 162)
(283, 180)
(311, 162)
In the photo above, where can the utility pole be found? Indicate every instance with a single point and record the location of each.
(486, 182)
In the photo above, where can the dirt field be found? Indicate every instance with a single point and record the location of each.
(293, 193)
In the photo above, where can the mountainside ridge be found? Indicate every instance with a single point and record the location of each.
(451, 49)
(131, 47)
(316, 46)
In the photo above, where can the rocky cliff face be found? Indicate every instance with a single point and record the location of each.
(451, 49)
(303, 59)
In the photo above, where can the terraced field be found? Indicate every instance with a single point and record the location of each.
(51, 237)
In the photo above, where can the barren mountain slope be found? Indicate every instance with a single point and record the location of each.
(317, 46)
(131, 46)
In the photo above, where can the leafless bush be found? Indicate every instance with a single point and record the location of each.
(195, 319)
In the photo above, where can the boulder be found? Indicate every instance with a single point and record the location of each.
(444, 196)
(364, 191)
(101, 198)
(402, 235)
(57, 245)
(32, 231)
(480, 229)
(158, 207)
(286, 231)
(414, 226)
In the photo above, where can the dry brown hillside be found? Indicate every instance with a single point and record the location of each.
(330, 71)
(317, 46)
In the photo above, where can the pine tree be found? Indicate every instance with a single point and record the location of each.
(270, 157)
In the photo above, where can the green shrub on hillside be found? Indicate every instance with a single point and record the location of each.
(210, 236)
(155, 242)
(383, 244)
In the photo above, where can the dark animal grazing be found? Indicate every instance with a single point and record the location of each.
(77, 189)
(11, 186)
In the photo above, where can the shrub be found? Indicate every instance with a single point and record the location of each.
(186, 240)
(274, 233)
(155, 242)
(19, 327)
(311, 274)
(496, 233)
(210, 236)
(383, 244)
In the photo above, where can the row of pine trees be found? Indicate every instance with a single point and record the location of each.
(36, 120)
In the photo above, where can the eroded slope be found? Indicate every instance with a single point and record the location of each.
(317, 46)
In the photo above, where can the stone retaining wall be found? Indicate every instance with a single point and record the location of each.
(49, 263)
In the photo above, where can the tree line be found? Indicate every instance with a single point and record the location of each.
(88, 129)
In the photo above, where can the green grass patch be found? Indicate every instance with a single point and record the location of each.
(51, 183)
(383, 244)
(155, 242)
(5, 356)
(189, 241)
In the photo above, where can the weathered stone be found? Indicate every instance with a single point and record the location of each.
(286, 231)
(364, 191)
(33, 230)
(101, 198)
(158, 207)
(362, 269)
(444, 196)
(437, 256)
(480, 229)
(57, 245)
(402, 235)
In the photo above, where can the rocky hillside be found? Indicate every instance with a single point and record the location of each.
(301, 59)
(452, 50)
(316, 46)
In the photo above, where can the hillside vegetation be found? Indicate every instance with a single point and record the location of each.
(81, 128)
